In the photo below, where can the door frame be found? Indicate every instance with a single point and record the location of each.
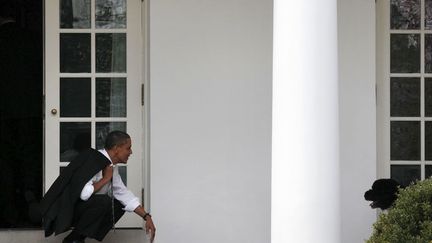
(141, 139)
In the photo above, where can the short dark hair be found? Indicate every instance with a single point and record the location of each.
(115, 138)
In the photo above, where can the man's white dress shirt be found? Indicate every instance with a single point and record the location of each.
(121, 193)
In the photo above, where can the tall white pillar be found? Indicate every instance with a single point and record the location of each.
(305, 166)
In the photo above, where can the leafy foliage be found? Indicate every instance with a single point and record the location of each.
(410, 219)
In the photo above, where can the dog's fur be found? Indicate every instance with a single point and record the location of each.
(383, 193)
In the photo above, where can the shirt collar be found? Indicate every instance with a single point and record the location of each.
(104, 152)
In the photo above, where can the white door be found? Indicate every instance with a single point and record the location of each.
(93, 83)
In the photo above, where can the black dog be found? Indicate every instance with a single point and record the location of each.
(383, 193)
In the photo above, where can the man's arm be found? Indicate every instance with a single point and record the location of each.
(107, 174)
(149, 226)
(131, 203)
(91, 187)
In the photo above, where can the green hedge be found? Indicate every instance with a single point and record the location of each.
(410, 218)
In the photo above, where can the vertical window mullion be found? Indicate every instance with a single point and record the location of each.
(422, 87)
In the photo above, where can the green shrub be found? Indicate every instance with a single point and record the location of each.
(410, 218)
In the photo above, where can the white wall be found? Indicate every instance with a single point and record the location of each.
(356, 20)
(210, 100)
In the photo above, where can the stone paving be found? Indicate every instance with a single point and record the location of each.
(37, 236)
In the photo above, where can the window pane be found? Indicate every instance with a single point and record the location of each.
(428, 171)
(111, 14)
(75, 14)
(405, 97)
(405, 53)
(405, 174)
(123, 173)
(111, 97)
(428, 97)
(405, 140)
(428, 13)
(405, 14)
(103, 128)
(74, 138)
(111, 53)
(75, 97)
(428, 53)
(75, 54)
(428, 140)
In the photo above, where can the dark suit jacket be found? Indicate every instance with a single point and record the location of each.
(57, 206)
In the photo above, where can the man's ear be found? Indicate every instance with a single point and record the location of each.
(115, 149)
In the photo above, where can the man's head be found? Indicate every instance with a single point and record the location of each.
(118, 144)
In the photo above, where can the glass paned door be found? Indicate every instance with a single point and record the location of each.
(93, 84)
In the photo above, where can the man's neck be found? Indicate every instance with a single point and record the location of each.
(111, 155)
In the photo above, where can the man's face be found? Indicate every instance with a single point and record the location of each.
(124, 151)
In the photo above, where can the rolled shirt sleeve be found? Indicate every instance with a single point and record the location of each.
(87, 191)
(121, 193)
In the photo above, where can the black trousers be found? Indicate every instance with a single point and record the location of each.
(93, 218)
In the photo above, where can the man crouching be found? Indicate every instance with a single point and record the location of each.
(90, 196)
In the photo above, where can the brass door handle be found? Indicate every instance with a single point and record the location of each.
(54, 111)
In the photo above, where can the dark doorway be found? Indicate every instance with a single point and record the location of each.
(21, 124)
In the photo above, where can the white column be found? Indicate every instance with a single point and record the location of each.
(305, 163)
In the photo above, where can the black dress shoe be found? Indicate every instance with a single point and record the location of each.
(74, 237)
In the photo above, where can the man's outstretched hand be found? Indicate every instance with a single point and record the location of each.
(150, 228)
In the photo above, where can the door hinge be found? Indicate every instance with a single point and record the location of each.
(142, 94)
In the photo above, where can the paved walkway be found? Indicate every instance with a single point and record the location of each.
(37, 236)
